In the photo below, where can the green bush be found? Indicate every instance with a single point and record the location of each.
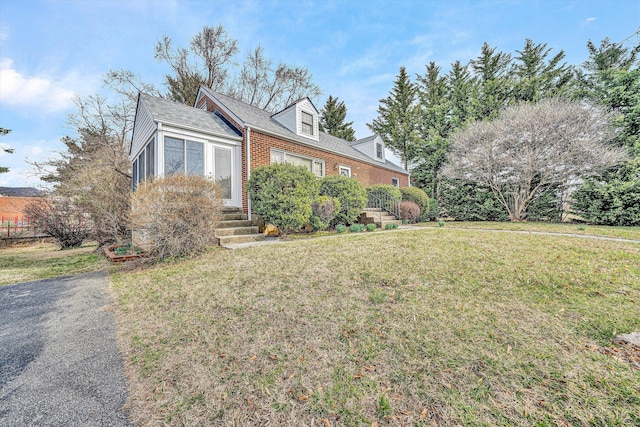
(356, 228)
(323, 211)
(419, 197)
(341, 228)
(350, 194)
(371, 227)
(282, 194)
(391, 226)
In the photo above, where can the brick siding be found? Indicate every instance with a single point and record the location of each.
(261, 145)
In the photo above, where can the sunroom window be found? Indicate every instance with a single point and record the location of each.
(176, 152)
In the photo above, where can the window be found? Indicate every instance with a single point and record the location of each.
(379, 150)
(307, 123)
(315, 166)
(395, 182)
(149, 155)
(222, 172)
(134, 180)
(175, 153)
(345, 171)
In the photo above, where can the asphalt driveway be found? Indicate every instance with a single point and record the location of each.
(59, 364)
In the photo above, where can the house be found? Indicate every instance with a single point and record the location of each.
(226, 138)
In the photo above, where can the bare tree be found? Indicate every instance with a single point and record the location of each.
(94, 170)
(271, 89)
(208, 62)
(531, 148)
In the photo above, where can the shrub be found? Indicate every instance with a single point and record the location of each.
(59, 217)
(282, 194)
(371, 227)
(350, 194)
(409, 211)
(391, 191)
(323, 211)
(391, 226)
(418, 196)
(356, 228)
(341, 228)
(175, 215)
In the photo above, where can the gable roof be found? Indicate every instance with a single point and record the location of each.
(262, 121)
(180, 115)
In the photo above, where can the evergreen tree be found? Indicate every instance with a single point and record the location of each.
(434, 127)
(611, 77)
(332, 120)
(398, 119)
(492, 72)
(536, 77)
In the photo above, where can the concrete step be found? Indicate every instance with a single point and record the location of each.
(231, 210)
(235, 223)
(234, 216)
(242, 238)
(234, 231)
(372, 210)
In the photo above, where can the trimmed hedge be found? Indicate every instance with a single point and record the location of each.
(350, 194)
(282, 194)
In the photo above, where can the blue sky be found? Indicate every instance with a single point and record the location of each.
(53, 50)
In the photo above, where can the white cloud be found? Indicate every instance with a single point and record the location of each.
(589, 20)
(22, 91)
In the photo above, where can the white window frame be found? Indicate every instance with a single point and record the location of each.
(381, 156)
(346, 169)
(303, 123)
(313, 160)
(396, 182)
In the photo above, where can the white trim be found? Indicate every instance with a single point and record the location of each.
(248, 158)
(397, 184)
(346, 168)
(222, 106)
(312, 159)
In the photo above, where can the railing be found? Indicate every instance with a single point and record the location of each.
(15, 225)
(384, 202)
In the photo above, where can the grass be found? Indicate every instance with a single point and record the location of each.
(632, 233)
(425, 327)
(44, 261)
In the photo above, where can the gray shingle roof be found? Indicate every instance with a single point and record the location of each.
(261, 120)
(170, 112)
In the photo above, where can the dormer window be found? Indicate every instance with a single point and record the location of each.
(307, 123)
(379, 150)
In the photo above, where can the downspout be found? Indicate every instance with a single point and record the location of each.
(248, 159)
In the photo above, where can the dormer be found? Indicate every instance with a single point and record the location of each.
(300, 118)
(372, 146)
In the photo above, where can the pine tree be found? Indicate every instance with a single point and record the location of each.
(536, 77)
(434, 127)
(332, 120)
(398, 119)
(492, 72)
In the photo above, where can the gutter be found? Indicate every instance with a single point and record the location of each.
(248, 160)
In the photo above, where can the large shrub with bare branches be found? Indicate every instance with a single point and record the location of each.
(175, 215)
(63, 219)
(533, 148)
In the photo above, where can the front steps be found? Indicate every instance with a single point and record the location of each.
(378, 217)
(234, 228)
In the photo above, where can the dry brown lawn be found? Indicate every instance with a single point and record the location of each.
(425, 327)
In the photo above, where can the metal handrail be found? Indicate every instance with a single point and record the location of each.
(384, 202)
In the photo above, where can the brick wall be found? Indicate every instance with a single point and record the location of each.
(261, 145)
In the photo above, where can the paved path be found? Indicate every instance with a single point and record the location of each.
(59, 364)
